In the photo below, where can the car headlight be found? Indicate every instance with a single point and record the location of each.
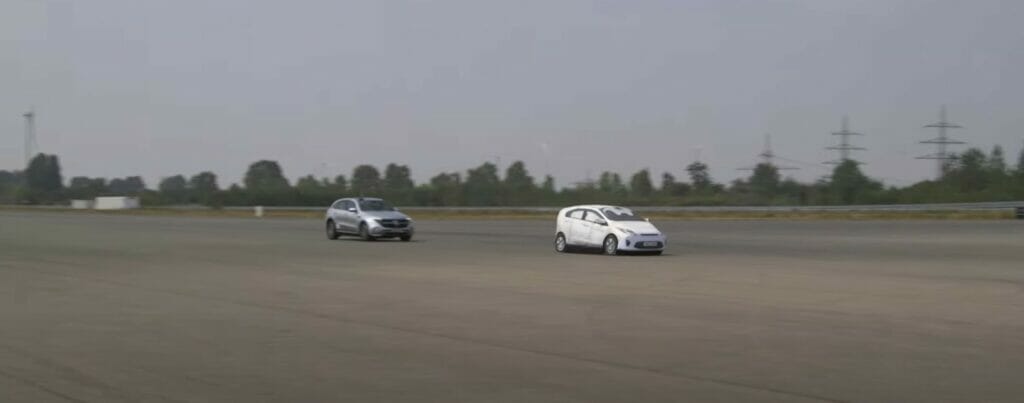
(626, 230)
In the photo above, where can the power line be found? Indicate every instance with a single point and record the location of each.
(804, 163)
(844, 146)
(768, 157)
(942, 142)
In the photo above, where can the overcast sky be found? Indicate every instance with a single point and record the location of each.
(571, 87)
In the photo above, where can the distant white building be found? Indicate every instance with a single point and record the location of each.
(116, 203)
(80, 204)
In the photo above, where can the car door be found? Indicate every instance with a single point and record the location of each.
(596, 228)
(334, 213)
(349, 219)
(572, 228)
(583, 229)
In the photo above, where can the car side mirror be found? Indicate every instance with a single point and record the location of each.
(351, 209)
(601, 222)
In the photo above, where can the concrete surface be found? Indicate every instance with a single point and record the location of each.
(97, 308)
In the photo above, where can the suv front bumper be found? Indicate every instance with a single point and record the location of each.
(378, 230)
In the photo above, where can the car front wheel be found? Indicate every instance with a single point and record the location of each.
(364, 232)
(332, 232)
(560, 245)
(611, 245)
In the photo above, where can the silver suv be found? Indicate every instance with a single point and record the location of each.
(369, 218)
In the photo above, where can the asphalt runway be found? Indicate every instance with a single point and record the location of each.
(102, 308)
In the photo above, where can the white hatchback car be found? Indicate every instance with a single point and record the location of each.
(614, 229)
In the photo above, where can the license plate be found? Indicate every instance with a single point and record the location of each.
(651, 244)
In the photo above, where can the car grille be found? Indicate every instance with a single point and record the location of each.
(397, 223)
(653, 234)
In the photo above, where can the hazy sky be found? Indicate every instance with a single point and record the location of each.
(571, 87)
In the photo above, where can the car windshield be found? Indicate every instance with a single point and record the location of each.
(375, 205)
(620, 214)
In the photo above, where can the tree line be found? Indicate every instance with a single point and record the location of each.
(972, 177)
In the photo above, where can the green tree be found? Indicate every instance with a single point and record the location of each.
(204, 188)
(265, 184)
(793, 192)
(398, 177)
(81, 187)
(366, 181)
(611, 183)
(969, 171)
(849, 185)
(640, 186)
(398, 184)
(699, 176)
(340, 185)
(549, 184)
(265, 176)
(547, 190)
(43, 179)
(518, 186)
(446, 189)
(9, 183)
(996, 163)
(669, 186)
(1020, 163)
(482, 185)
(174, 189)
(235, 195)
(765, 180)
(313, 192)
(129, 186)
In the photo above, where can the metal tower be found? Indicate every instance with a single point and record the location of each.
(844, 146)
(30, 136)
(942, 155)
(768, 157)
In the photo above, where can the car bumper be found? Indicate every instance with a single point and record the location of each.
(386, 231)
(643, 243)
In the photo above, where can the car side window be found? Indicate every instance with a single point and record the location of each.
(347, 205)
(338, 205)
(577, 214)
(594, 217)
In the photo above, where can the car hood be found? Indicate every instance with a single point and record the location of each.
(385, 215)
(640, 227)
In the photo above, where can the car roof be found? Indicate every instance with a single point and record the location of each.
(355, 199)
(590, 206)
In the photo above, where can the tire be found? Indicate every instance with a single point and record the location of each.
(405, 238)
(611, 245)
(332, 231)
(364, 232)
(561, 245)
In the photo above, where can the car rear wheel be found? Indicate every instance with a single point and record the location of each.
(611, 245)
(332, 231)
(364, 232)
(560, 245)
